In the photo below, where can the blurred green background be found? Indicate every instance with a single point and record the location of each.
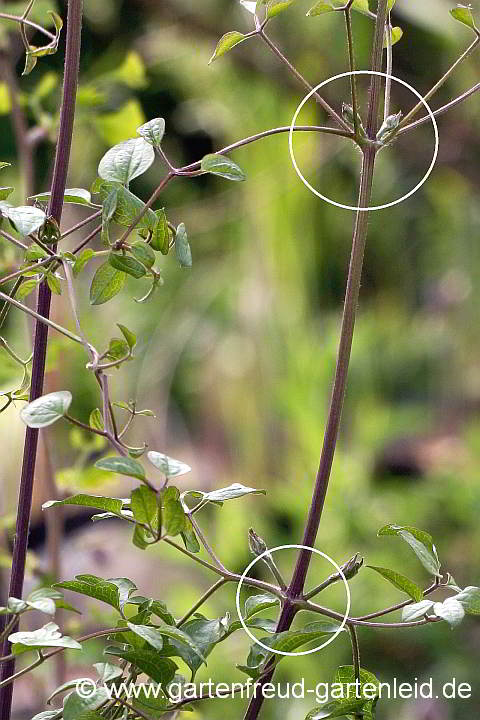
(236, 356)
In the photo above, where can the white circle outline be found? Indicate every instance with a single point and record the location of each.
(353, 207)
(293, 547)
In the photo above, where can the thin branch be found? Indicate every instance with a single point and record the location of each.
(41, 318)
(207, 545)
(352, 66)
(29, 23)
(399, 606)
(220, 583)
(81, 224)
(419, 106)
(13, 240)
(441, 110)
(153, 198)
(388, 80)
(333, 113)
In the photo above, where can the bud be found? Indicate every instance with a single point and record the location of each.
(390, 124)
(50, 233)
(352, 566)
(256, 544)
(347, 113)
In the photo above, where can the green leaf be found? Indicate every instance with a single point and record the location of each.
(75, 196)
(416, 611)
(464, 15)
(161, 234)
(122, 466)
(107, 282)
(469, 598)
(118, 350)
(275, 7)
(128, 205)
(150, 634)
(81, 261)
(257, 603)
(189, 538)
(53, 283)
(69, 685)
(144, 505)
(335, 709)
(153, 131)
(205, 634)
(126, 161)
(33, 52)
(182, 641)
(231, 492)
(223, 166)
(400, 581)
(129, 336)
(47, 409)
(114, 592)
(108, 672)
(323, 7)
(167, 465)
(26, 220)
(420, 542)
(450, 610)
(345, 676)
(160, 669)
(143, 253)
(173, 515)
(226, 43)
(397, 34)
(127, 264)
(47, 636)
(96, 420)
(35, 252)
(5, 192)
(182, 247)
(77, 707)
(109, 208)
(26, 288)
(113, 505)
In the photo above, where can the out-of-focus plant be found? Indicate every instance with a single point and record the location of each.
(148, 634)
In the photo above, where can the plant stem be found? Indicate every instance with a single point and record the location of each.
(351, 63)
(297, 583)
(62, 157)
(41, 320)
(80, 224)
(333, 113)
(24, 21)
(441, 110)
(388, 80)
(414, 111)
(220, 583)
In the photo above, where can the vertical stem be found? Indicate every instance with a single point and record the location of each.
(388, 80)
(351, 62)
(62, 157)
(360, 231)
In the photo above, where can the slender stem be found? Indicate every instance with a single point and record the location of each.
(8, 681)
(86, 241)
(62, 157)
(81, 224)
(388, 80)
(40, 319)
(352, 66)
(376, 66)
(13, 240)
(207, 545)
(317, 590)
(333, 113)
(220, 583)
(153, 198)
(419, 106)
(29, 23)
(399, 606)
(22, 271)
(355, 651)
(85, 427)
(441, 110)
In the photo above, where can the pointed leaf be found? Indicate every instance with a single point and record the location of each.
(223, 166)
(167, 465)
(226, 43)
(451, 611)
(127, 264)
(113, 505)
(400, 581)
(464, 15)
(416, 611)
(47, 636)
(107, 282)
(153, 131)
(75, 196)
(126, 161)
(182, 247)
(420, 542)
(470, 600)
(122, 466)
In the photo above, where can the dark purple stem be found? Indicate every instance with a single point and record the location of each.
(62, 158)
(297, 584)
